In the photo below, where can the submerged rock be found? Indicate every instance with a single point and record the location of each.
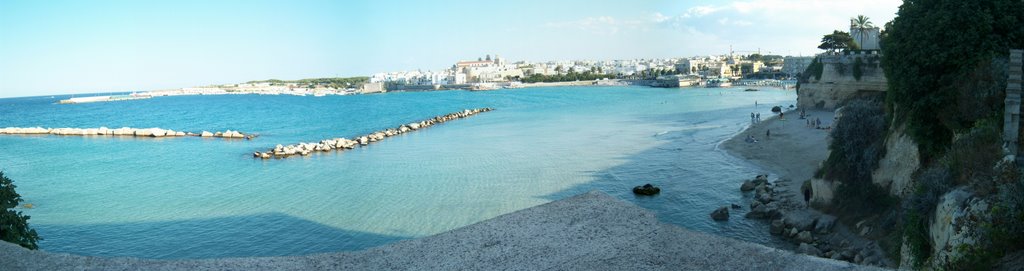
(646, 190)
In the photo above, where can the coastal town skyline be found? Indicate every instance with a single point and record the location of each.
(114, 47)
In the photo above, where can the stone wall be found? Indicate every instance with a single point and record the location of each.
(1011, 116)
(837, 84)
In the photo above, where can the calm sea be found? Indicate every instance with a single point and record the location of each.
(204, 198)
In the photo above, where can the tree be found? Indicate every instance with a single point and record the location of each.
(14, 225)
(862, 23)
(930, 71)
(837, 41)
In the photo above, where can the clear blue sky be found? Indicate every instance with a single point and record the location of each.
(56, 47)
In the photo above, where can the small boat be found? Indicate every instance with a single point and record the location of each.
(751, 89)
(718, 83)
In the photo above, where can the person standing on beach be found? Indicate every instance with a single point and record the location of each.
(767, 134)
(758, 117)
(807, 196)
(751, 117)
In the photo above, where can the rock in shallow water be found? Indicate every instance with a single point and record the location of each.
(747, 186)
(720, 214)
(646, 190)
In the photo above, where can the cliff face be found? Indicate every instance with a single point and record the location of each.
(897, 167)
(838, 84)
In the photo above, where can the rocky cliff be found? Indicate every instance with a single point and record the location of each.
(839, 82)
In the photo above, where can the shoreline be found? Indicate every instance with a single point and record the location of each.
(792, 154)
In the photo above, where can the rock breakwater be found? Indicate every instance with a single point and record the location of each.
(123, 131)
(340, 144)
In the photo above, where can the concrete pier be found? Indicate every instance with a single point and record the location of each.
(340, 144)
(123, 131)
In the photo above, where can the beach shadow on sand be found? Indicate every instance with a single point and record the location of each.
(270, 234)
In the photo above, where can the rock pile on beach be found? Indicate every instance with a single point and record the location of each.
(339, 144)
(814, 233)
(763, 206)
(123, 131)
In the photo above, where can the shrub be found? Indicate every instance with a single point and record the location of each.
(856, 148)
(858, 69)
(932, 183)
(929, 71)
(973, 155)
(13, 225)
(814, 69)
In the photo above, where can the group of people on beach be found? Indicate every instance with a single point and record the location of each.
(816, 123)
(812, 123)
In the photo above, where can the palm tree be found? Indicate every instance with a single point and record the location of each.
(861, 23)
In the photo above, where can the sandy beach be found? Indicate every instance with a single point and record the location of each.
(793, 151)
(791, 155)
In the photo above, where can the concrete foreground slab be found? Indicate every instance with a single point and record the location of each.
(592, 231)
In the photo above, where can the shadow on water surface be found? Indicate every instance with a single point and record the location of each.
(270, 234)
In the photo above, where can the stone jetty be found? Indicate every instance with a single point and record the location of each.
(123, 131)
(340, 144)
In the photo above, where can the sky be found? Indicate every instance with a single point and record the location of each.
(67, 47)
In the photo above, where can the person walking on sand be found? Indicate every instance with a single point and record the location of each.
(758, 117)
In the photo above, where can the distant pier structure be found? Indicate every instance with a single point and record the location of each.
(1011, 116)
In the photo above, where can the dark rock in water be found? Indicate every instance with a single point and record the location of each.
(776, 109)
(747, 186)
(760, 179)
(646, 190)
(720, 214)
(736, 206)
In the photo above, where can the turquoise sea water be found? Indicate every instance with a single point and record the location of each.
(204, 198)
